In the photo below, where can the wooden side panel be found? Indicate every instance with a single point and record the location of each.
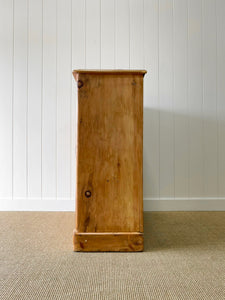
(109, 153)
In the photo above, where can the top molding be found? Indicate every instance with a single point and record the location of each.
(121, 72)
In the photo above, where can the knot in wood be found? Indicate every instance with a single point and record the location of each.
(80, 84)
(88, 194)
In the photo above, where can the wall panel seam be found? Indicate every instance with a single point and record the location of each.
(13, 61)
(27, 103)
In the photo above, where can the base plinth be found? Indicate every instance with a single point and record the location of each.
(108, 241)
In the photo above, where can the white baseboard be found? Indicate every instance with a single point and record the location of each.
(150, 204)
(184, 204)
(37, 204)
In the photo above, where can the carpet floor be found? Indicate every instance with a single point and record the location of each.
(184, 258)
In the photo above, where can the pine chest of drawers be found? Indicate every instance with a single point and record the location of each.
(109, 180)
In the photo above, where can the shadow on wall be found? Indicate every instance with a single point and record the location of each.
(184, 154)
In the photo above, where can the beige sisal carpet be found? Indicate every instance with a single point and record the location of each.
(184, 258)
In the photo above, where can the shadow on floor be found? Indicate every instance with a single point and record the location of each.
(167, 230)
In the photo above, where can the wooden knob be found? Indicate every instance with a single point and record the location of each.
(88, 194)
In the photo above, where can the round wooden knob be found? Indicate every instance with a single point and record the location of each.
(88, 194)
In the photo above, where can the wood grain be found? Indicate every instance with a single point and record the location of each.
(126, 241)
(109, 152)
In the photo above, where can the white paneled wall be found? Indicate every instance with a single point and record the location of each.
(181, 43)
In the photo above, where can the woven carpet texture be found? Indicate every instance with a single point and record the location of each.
(184, 258)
